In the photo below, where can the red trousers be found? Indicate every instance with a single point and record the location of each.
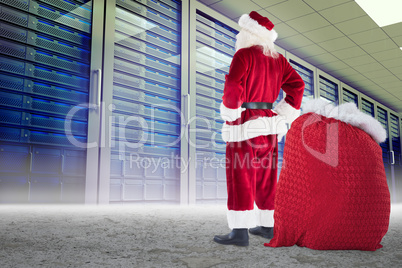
(251, 174)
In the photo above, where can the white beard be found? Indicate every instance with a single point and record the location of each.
(246, 39)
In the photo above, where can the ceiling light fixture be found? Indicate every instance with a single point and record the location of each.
(384, 12)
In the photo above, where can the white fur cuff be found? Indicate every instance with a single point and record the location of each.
(265, 217)
(241, 219)
(229, 114)
(285, 110)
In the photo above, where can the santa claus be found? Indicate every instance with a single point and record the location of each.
(256, 76)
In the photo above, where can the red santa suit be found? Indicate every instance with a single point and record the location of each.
(251, 134)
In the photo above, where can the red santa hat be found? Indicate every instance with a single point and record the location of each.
(258, 25)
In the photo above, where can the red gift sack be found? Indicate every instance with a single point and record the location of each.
(332, 192)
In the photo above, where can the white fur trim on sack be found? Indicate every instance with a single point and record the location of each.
(265, 217)
(229, 114)
(350, 114)
(285, 110)
(254, 128)
(254, 27)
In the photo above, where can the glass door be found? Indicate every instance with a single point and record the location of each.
(141, 160)
(382, 117)
(395, 159)
(45, 81)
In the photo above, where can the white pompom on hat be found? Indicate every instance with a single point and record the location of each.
(258, 25)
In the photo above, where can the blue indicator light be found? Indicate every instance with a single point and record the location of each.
(44, 22)
(47, 8)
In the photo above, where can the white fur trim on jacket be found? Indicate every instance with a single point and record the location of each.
(254, 128)
(254, 27)
(229, 114)
(350, 114)
(285, 110)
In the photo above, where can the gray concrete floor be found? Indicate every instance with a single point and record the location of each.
(158, 236)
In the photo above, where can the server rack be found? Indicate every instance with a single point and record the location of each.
(382, 117)
(368, 107)
(328, 90)
(146, 116)
(215, 43)
(349, 96)
(45, 49)
(308, 77)
(395, 158)
(307, 74)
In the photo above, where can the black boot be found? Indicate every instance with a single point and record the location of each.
(238, 237)
(267, 232)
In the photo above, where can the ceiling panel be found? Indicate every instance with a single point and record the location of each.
(308, 51)
(398, 40)
(337, 44)
(357, 61)
(323, 34)
(375, 66)
(379, 46)
(268, 3)
(356, 25)
(384, 79)
(343, 12)
(365, 85)
(322, 4)
(346, 72)
(400, 77)
(369, 36)
(389, 84)
(378, 94)
(284, 30)
(348, 53)
(296, 41)
(388, 55)
(290, 10)
(308, 23)
(233, 11)
(355, 78)
(396, 62)
(398, 94)
(394, 29)
(321, 59)
(397, 70)
(335, 65)
(379, 73)
(395, 90)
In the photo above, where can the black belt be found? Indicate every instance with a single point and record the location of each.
(257, 105)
